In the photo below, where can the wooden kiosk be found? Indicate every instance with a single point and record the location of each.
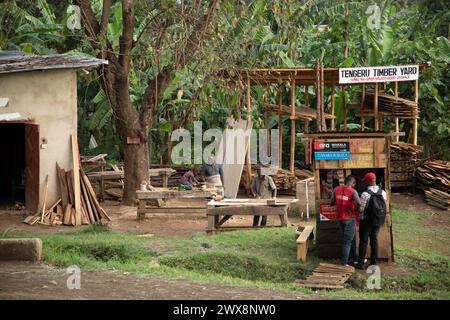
(366, 152)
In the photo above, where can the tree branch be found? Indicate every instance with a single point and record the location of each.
(105, 16)
(126, 39)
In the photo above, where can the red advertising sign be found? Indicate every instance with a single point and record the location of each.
(327, 212)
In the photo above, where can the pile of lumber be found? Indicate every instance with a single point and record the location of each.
(327, 276)
(433, 177)
(285, 181)
(403, 163)
(394, 106)
(64, 210)
(302, 112)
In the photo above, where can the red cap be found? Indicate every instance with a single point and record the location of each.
(370, 177)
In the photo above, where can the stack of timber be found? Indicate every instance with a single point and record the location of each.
(327, 276)
(394, 106)
(285, 181)
(403, 163)
(303, 112)
(433, 177)
(64, 211)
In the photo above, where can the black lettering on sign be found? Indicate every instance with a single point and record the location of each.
(408, 70)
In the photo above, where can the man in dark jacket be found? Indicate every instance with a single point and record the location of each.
(366, 227)
(347, 203)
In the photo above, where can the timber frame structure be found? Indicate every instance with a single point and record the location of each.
(319, 77)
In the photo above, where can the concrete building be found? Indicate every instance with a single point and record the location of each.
(38, 115)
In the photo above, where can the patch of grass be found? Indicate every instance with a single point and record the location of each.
(265, 258)
(239, 266)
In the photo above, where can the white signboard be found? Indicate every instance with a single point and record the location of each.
(378, 74)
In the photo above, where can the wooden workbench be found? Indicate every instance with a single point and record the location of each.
(246, 207)
(161, 195)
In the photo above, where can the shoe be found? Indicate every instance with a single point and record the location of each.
(359, 266)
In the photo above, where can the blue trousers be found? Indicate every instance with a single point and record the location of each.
(349, 247)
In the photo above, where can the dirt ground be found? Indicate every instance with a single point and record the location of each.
(45, 282)
(124, 219)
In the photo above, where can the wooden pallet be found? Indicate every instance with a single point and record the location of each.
(327, 276)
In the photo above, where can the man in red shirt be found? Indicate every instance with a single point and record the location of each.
(346, 200)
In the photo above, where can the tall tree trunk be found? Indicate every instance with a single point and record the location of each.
(136, 165)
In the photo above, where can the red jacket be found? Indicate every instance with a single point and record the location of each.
(344, 203)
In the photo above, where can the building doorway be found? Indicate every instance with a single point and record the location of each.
(19, 164)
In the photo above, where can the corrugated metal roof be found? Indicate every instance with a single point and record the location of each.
(13, 61)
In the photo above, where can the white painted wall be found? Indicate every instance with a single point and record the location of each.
(50, 99)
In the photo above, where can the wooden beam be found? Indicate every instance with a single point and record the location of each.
(333, 91)
(266, 124)
(280, 128)
(318, 119)
(76, 179)
(306, 130)
(322, 103)
(249, 118)
(416, 99)
(375, 106)
(292, 127)
(396, 89)
(344, 107)
(397, 129)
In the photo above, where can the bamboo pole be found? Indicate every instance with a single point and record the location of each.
(292, 127)
(333, 91)
(249, 118)
(280, 128)
(416, 99)
(375, 107)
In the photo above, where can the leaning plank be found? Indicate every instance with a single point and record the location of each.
(62, 185)
(45, 199)
(67, 213)
(87, 201)
(76, 179)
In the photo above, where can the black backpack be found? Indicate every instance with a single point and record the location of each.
(375, 213)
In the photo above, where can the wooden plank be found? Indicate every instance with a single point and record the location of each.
(67, 214)
(174, 194)
(305, 234)
(87, 202)
(280, 128)
(293, 137)
(248, 210)
(44, 203)
(62, 182)
(76, 179)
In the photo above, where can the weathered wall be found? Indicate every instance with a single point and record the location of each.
(49, 98)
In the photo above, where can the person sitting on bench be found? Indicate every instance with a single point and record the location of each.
(263, 187)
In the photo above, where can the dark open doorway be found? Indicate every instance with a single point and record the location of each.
(12, 163)
(19, 164)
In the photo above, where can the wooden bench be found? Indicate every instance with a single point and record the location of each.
(161, 196)
(219, 212)
(304, 237)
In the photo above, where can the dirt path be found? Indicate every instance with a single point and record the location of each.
(33, 281)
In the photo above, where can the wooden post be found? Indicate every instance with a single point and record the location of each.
(333, 91)
(344, 107)
(249, 118)
(416, 99)
(318, 114)
(280, 129)
(375, 107)
(266, 124)
(292, 126)
(397, 130)
(306, 130)
(362, 123)
(322, 104)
